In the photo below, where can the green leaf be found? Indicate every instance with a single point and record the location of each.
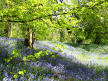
(16, 53)
(24, 71)
(15, 76)
(39, 54)
(53, 48)
(21, 72)
(60, 50)
(51, 53)
(40, 77)
(24, 58)
(46, 52)
(30, 57)
(53, 56)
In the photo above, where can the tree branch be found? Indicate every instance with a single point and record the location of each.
(21, 21)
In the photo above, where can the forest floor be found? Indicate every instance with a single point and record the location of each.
(74, 63)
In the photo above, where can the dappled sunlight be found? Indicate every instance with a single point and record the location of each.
(82, 55)
(53, 40)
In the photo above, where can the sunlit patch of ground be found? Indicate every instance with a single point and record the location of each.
(98, 55)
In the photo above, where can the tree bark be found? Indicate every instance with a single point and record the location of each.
(75, 40)
(97, 38)
(9, 30)
(27, 38)
(9, 24)
(61, 35)
(33, 39)
(30, 38)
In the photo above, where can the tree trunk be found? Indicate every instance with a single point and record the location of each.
(27, 37)
(33, 39)
(61, 35)
(30, 38)
(97, 38)
(9, 24)
(75, 40)
(9, 30)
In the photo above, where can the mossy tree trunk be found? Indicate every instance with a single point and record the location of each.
(9, 30)
(9, 27)
(30, 38)
(33, 39)
(62, 38)
(27, 37)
